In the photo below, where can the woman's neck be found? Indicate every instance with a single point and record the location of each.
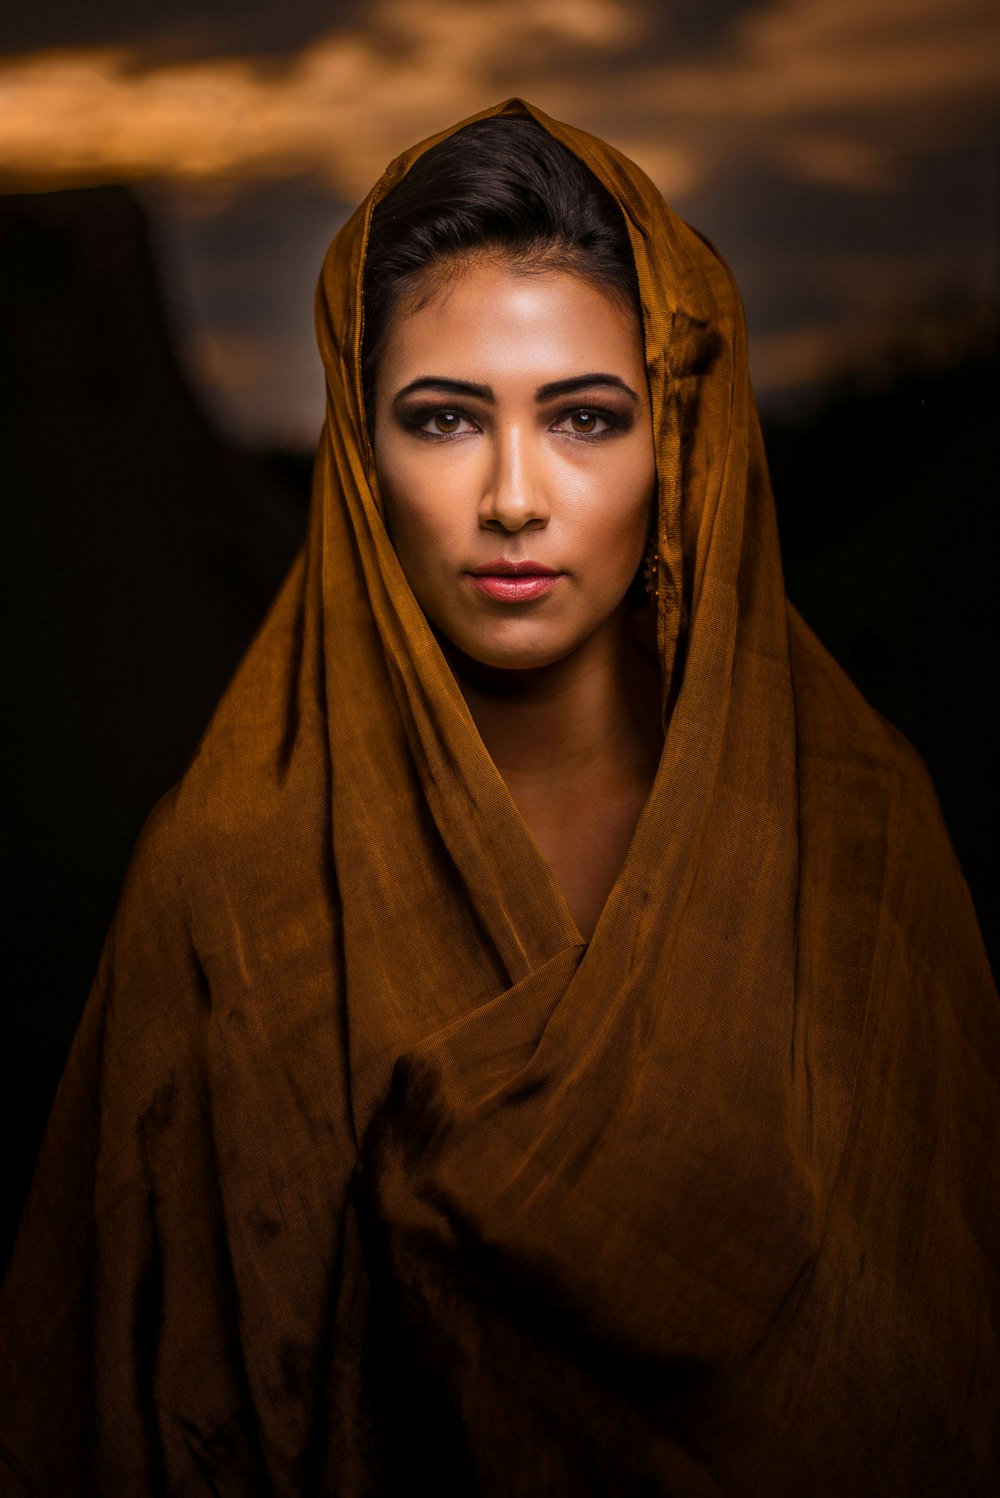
(578, 744)
(588, 720)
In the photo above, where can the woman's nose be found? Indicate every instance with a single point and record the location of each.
(515, 491)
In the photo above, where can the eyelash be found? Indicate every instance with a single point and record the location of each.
(415, 418)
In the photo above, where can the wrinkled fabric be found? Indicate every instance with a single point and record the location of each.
(367, 1172)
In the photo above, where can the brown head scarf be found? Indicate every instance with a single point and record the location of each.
(366, 1171)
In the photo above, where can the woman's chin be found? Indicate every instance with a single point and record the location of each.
(470, 649)
(523, 645)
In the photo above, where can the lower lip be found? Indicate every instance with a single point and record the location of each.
(515, 589)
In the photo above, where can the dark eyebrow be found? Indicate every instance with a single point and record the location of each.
(583, 382)
(453, 387)
(544, 392)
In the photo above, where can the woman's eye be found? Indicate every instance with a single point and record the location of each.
(586, 422)
(443, 423)
(434, 423)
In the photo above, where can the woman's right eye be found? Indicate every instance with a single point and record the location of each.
(440, 421)
(446, 422)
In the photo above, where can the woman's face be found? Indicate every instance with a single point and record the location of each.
(514, 447)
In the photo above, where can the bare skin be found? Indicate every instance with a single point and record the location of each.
(578, 745)
(480, 462)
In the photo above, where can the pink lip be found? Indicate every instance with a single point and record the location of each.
(514, 589)
(514, 582)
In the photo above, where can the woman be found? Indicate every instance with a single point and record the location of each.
(544, 1045)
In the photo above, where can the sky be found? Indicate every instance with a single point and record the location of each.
(842, 154)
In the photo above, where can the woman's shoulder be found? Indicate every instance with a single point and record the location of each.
(257, 780)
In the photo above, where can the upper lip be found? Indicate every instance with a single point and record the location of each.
(502, 568)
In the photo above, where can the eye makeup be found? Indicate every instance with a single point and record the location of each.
(416, 416)
(616, 421)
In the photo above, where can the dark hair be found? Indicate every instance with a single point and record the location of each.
(500, 184)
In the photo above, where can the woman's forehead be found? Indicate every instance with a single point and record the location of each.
(519, 325)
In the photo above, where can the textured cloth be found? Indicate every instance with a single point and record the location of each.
(367, 1172)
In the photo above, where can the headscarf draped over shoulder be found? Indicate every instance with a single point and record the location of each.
(365, 1163)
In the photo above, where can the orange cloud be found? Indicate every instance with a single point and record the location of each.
(836, 91)
(833, 91)
(339, 110)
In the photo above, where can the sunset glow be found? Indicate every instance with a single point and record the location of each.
(836, 150)
(835, 91)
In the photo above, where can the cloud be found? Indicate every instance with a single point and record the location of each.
(339, 109)
(760, 130)
(838, 92)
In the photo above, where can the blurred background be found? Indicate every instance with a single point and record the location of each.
(171, 174)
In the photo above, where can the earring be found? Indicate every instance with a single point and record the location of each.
(651, 571)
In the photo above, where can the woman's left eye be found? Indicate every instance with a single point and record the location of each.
(436, 422)
(444, 421)
(586, 422)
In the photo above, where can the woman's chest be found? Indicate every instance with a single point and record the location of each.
(584, 842)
